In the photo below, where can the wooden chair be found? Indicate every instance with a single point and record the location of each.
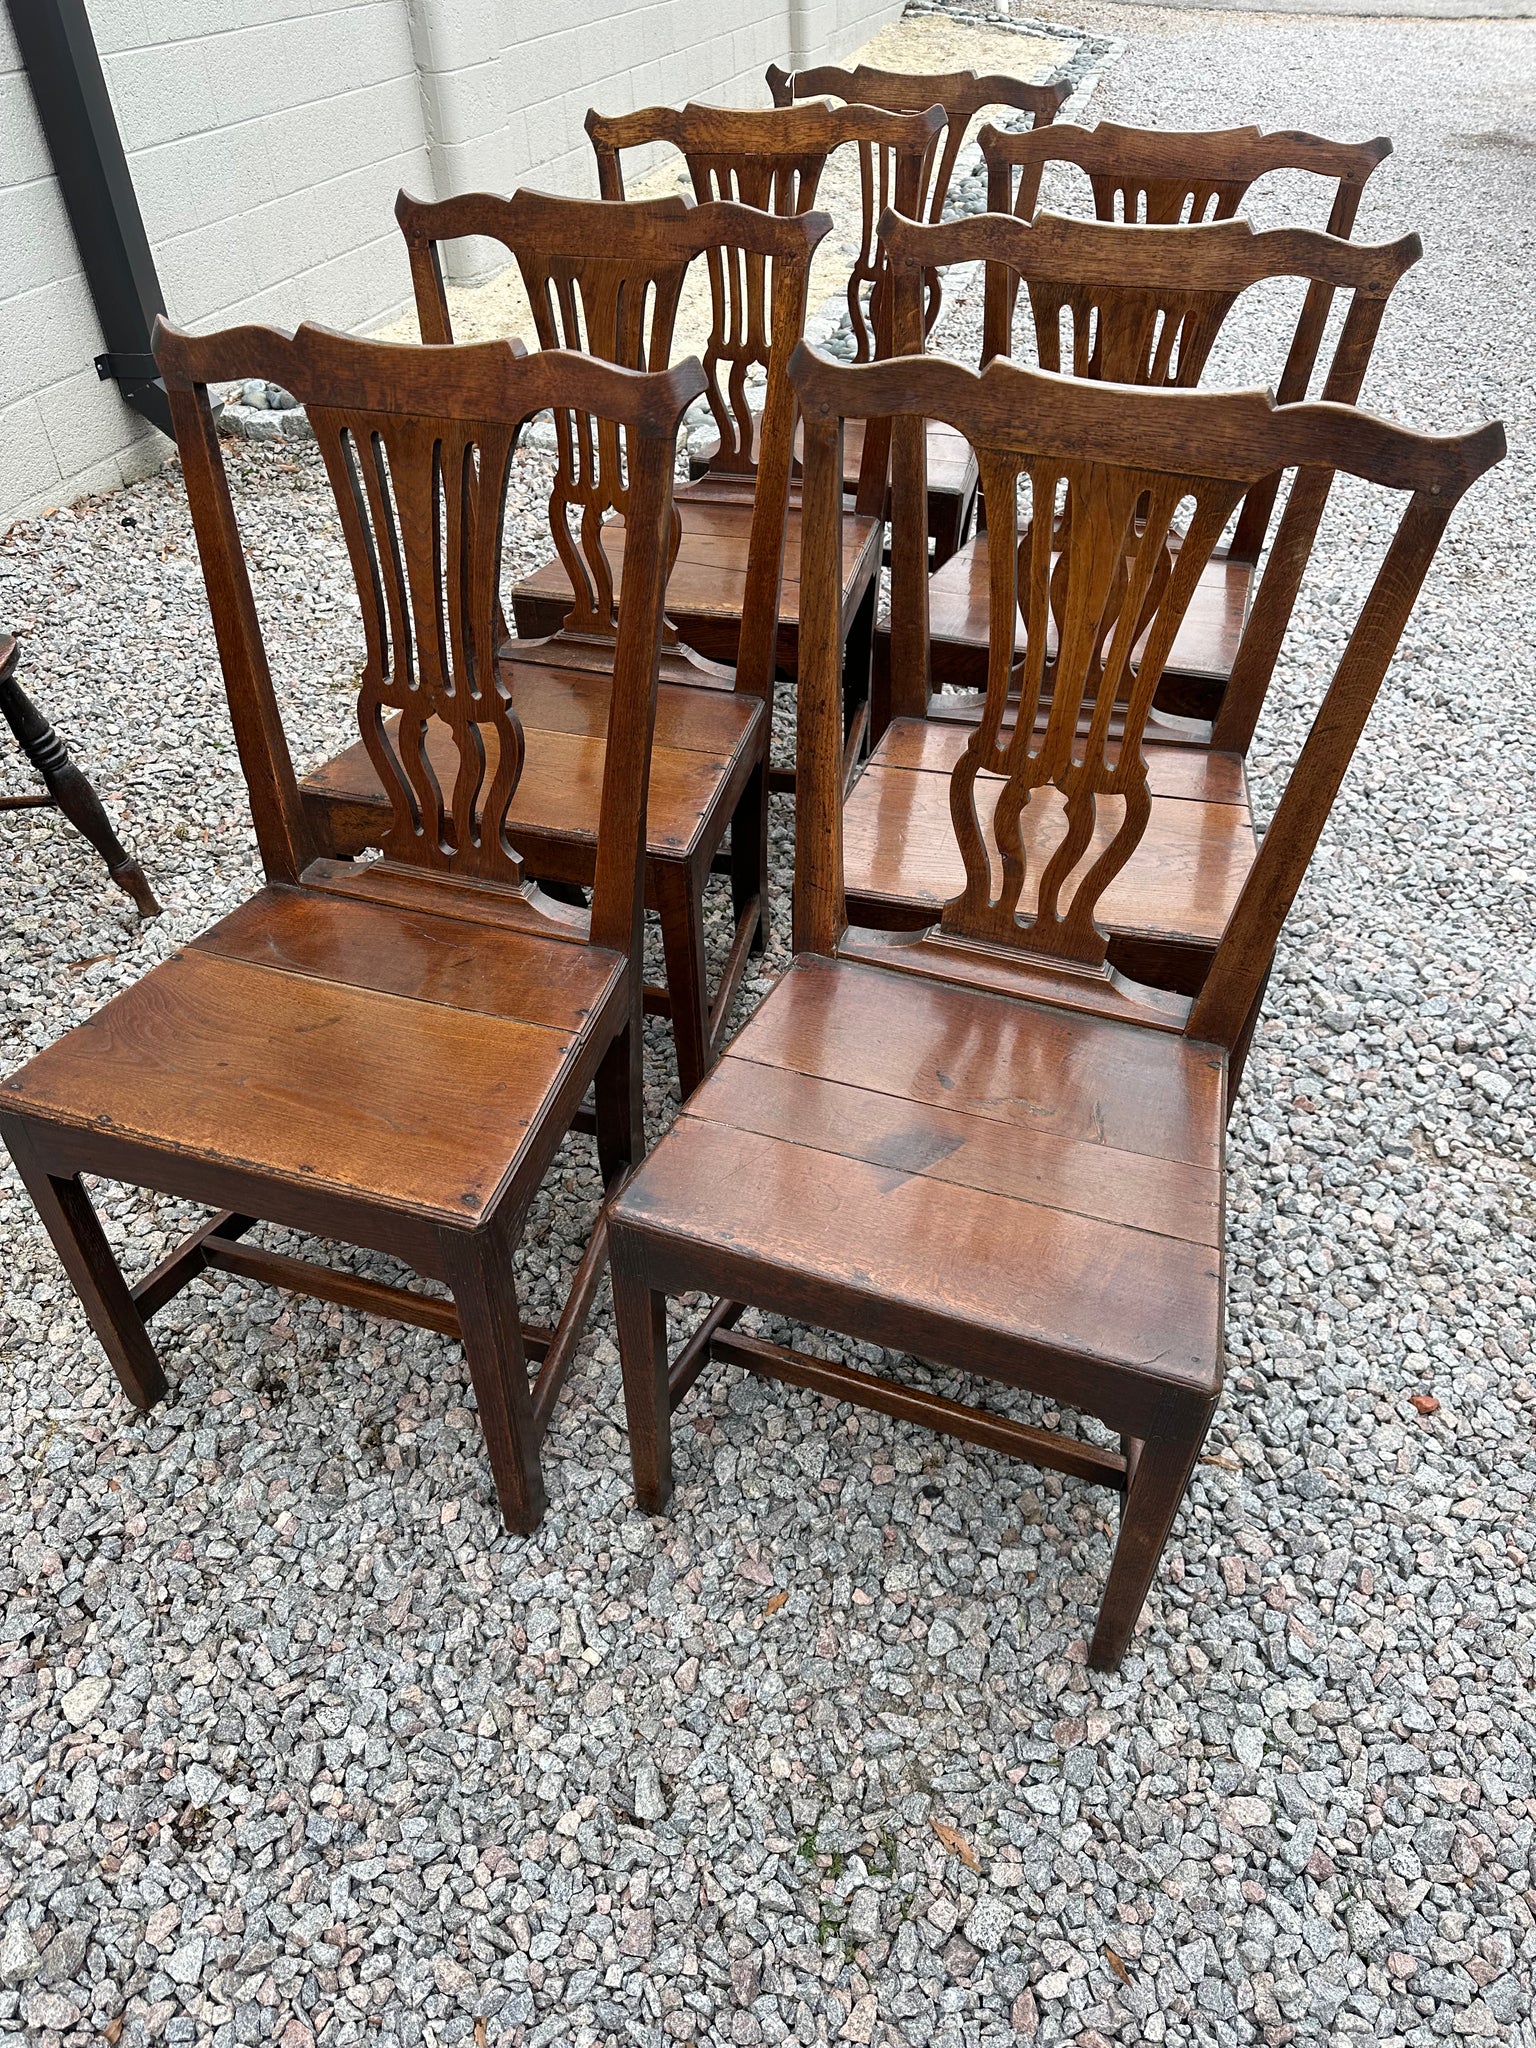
(983, 1145)
(607, 279)
(962, 95)
(65, 787)
(1145, 306)
(770, 158)
(1154, 177)
(385, 1054)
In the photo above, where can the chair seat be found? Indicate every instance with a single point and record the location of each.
(707, 740)
(1203, 649)
(902, 861)
(402, 1057)
(707, 585)
(956, 1162)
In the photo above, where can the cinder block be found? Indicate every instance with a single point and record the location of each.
(452, 36)
(34, 233)
(86, 422)
(204, 270)
(23, 152)
(27, 465)
(217, 176)
(50, 332)
(160, 94)
(311, 144)
(118, 25)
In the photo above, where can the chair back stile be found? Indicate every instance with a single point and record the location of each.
(607, 278)
(1146, 305)
(1129, 459)
(418, 446)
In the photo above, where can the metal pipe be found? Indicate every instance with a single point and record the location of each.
(64, 69)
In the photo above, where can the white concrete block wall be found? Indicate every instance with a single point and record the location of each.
(268, 138)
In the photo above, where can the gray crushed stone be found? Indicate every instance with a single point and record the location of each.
(299, 1747)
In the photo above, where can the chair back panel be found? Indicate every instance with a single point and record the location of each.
(961, 94)
(607, 277)
(774, 158)
(1145, 305)
(418, 444)
(1105, 469)
(1163, 177)
(1155, 177)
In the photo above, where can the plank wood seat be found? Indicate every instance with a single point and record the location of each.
(1142, 305)
(385, 1054)
(963, 95)
(591, 269)
(772, 158)
(982, 1145)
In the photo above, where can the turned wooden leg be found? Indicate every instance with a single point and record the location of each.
(479, 1271)
(749, 856)
(72, 1223)
(69, 788)
(680, 899)
(641, 1314)
(1159, 1476)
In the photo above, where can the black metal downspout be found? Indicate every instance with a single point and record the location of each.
(64, 69)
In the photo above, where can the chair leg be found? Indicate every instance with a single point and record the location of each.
(86, 1257)
(619, 1098)
(1159, 1477)
(72, 792)
(749, 856)
(944, 519)
(479, 1272)
(680, 899)
(641, 1314)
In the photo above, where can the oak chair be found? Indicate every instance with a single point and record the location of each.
(607, 279)
(385, 1054)
(1155, 177)
(1144, 306)
(983, 1145)
(65, 787)
(772, 158)
(962, 95)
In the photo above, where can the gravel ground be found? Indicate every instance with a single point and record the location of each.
(298, 1746)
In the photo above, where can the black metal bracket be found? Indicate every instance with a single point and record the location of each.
(70, 91)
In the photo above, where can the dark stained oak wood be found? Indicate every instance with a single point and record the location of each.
(607, 278)
(388, 1054)
(983, 1144)
(962, 96)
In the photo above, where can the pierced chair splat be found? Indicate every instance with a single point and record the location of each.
(1146, 304)
(773, 158)
(385, 1054)
(1143, 306)
(607, 279)
(963, 96)
(908, 1125)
